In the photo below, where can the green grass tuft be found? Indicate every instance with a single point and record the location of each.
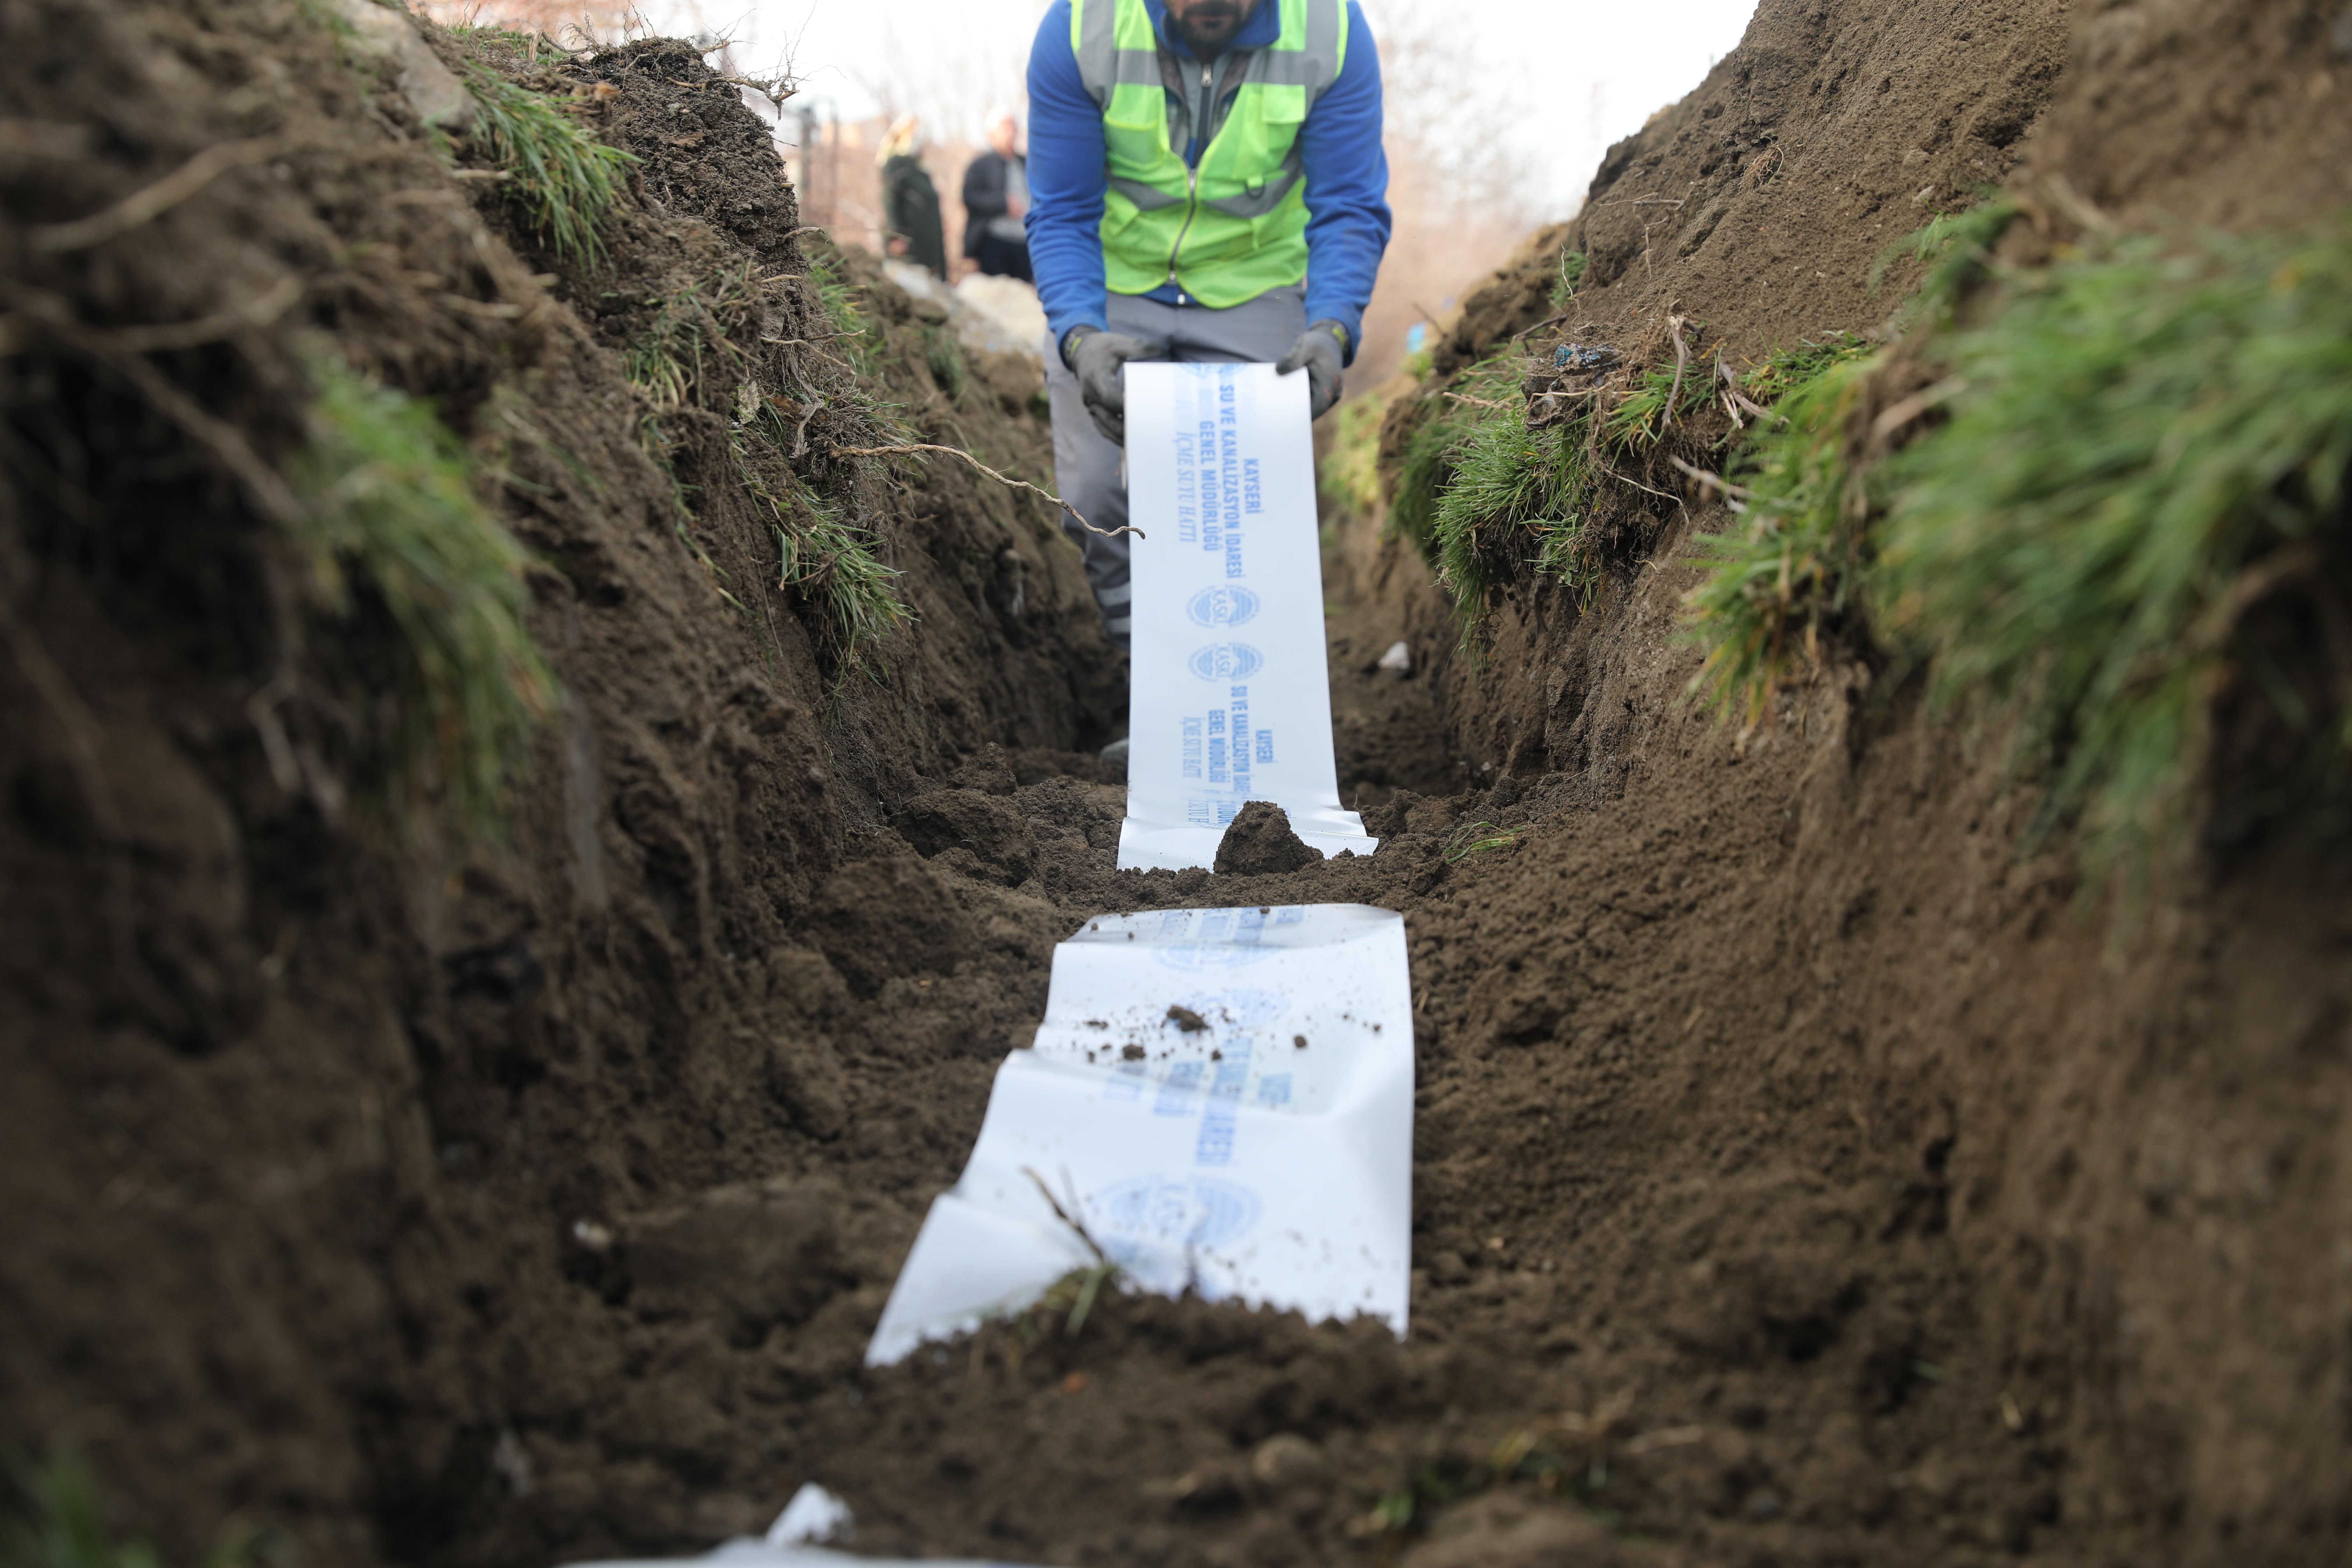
(389, 517)
(60, 1522)
(831, 560)
(563, 178)
(674, 358)
(684, 358)
(64, 1523)
(326, 17)
(1956, 248)
(945, 356)
(1640, 420)
(840, 306)
(825, 559)
(1785, 370)
(2139, 440)
(1433, 446)
(1507, 478)
(1790, 565)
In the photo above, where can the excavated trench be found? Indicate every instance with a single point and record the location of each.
(1800, 1175)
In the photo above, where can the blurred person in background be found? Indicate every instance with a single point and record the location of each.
(910, 202)
(1206, 183)
(996, 203)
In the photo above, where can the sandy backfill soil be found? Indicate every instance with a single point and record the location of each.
(1800, 1175)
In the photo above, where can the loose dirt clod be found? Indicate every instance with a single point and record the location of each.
(1186, 1019)
(1259, 842)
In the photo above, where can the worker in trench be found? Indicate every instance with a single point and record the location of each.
(1206, 185)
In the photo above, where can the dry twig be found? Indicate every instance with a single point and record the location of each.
(1682, 363)
(1609, 472)
(1733, 495)
(1897, 415)
(1064, 1215)
(1731, 381)
(261, 483)
(1539, 326)
(257, 312)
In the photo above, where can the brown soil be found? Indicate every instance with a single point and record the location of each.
(1794, 1162)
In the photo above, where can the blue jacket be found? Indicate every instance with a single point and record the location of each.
(1347, 175)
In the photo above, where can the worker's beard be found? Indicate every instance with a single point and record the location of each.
(1210, 23)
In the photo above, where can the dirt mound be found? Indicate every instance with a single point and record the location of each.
(352, 1091)
(1798, 1178)
(1259, 842)
(2231, 117)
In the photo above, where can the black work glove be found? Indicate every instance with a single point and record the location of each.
(1097, 356)
(1319, 351)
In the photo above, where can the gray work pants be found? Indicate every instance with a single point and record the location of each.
(1087, 466)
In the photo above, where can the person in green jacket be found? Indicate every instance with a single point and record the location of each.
(910, 202)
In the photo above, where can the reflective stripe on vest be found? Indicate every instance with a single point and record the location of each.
(1235, 225)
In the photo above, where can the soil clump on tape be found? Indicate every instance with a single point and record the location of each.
(1799, 1176)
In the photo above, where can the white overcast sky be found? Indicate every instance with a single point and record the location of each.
(1578, 74)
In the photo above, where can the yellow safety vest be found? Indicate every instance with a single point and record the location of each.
(1234, 226)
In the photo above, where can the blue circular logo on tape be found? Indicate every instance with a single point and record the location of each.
(1226, 661)
(1194, 1211)
(1221, 606)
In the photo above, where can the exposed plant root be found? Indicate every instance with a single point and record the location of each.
(991, 473)
(150, 202)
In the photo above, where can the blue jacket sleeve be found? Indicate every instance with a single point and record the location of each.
(1347, 186)
(1065, 180)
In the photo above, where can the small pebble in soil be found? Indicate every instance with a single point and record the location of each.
(1298, 1040)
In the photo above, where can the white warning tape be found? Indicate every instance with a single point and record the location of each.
(1218, 1101)
(1229, 689)
(1221, 1099)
